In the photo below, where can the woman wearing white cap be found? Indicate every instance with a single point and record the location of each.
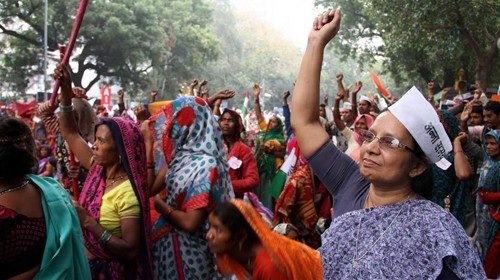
(384, 227)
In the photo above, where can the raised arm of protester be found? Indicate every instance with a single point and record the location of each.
(463, 170)
(337, 118)
(256, 96)
(192, 90)
(221, 95)
(309, 132)
(121, 102)
(67, 123)
(340, 85)
(354, 89)
(152, 95)
(286, 114)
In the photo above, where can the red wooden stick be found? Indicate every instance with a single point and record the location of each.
(71, 43)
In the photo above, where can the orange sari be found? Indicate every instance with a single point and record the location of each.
(295, 260)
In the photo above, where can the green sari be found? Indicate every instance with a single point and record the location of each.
(266, 163)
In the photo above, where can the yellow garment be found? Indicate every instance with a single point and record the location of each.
(117, 204)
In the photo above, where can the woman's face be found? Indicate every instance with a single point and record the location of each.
(273, 123)
(361, 124)
(227, 124)
(218, 236)
(104, 148)
(492, 147)
(384, 166)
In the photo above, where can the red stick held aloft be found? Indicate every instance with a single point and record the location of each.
(71, 44)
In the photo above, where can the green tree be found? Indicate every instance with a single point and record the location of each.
(129, 42)
(251, 52)
(426, 39)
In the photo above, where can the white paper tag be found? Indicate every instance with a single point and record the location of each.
(234, 162)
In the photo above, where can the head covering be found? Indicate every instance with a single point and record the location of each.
(364, 98)
(347, 106)
(191, 142)
(297, 260)
(238, 122)
(422, 121)
(369, 121)
(130, 145)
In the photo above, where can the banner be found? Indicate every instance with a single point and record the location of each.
(106, 97)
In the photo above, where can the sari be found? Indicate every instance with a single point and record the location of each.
(197, 178)
(294, 259)
(450, 193)
(130, 144)
(488, 211)
(267, 164)
(414, 239)
(295, 204)
(63, 254)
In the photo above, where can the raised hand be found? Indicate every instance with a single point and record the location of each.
(339, 77)
(325, 99)
(325, 27)
(256, 91)
(154, 93)
(286, 94)
(340, 96)
(121, 94)
(62, 73)
(464, 117)
(461, 138)
(225, 94)
(356, 87)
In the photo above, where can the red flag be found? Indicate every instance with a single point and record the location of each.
(378, 84)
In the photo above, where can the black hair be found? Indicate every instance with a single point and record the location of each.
(233, 220)
(493, 106)
(422, 184)
(477, 109)
(17, 149)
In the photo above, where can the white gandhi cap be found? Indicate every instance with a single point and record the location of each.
(422, 121)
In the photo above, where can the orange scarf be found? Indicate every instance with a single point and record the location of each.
(296, 260)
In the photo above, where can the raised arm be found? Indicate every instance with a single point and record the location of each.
(309, 132)
(337, 118)
(67, 123)
(258, 111)
(286, 114)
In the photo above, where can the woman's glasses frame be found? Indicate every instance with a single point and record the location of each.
(384, 141)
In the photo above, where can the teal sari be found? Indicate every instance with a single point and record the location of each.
(64, 254)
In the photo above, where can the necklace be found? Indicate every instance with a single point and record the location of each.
(114, 180)
(357, 258)
(22, 185)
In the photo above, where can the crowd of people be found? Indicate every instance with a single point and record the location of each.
(195, 191)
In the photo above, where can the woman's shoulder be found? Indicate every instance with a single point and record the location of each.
(265, 268)
(241, 148)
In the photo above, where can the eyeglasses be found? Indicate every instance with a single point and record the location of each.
(384, 141)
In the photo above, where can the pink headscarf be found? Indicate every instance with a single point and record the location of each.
(369, 122)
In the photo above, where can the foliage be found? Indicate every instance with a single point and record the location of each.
(252, 52)
(129, 42)
(422, 40)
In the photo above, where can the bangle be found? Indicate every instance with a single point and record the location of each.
(151, 165)
(172, 209)
(457, 152)
(105, 237)
(66, 109)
